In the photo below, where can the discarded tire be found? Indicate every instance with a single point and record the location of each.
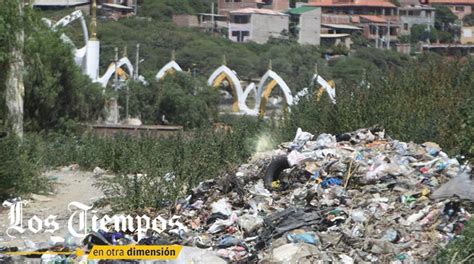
(274, 170)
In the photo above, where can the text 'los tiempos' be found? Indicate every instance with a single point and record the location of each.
(82, 221)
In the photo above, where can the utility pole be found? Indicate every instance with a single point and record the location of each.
(136, 7)
(116, 70)
(388, 34)
(376, 36)
(126, 102)
(137, 62)
(212, 17)
(116, 86)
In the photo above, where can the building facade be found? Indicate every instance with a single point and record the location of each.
(379, 18)
(460, 8)
(258, 25)
(226, 6)
(411, 15)
(305, 24)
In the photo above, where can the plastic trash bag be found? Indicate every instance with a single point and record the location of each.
(300, 139)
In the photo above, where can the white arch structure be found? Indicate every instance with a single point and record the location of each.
(265, 88)
(170, 67)
(251, 88)
(326, 86)
(79, 54)
(112, 68)
(224, 73)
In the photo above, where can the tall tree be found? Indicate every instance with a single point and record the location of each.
(38, 68)
(14, 86)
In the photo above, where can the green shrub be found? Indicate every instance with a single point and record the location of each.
(20, 168)
(461, 250)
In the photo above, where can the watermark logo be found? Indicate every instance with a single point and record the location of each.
(81, 221)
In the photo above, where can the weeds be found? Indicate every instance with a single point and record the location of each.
(460, 250)
(20, 168)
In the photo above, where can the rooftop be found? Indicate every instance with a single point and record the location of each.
(341, 26)
(369, 3)
(458, 2)
(334, 35)
(116, 6)
(60, 2)
(300, 10)
(257, 11)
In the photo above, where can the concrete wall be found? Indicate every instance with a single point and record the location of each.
(422, 19)
(265, 26)
(239, 27)
(467, 35)
(404, 48)
(186, 20)
(281, 5)
(335, 19)
(310, 27)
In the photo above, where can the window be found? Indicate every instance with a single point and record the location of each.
(240, 19)
(405, 26)
(467, 33)
(373, 30)
(459, 8)
(240, 35)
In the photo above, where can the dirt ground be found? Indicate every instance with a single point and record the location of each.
(69, 185)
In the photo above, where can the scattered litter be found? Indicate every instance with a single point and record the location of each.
(358, 197)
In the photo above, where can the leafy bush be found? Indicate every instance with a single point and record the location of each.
(468, 20)
(165, 9)
(184, 100)
(20, 168)
(56, 91)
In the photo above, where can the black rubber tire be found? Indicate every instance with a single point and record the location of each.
(274, 170)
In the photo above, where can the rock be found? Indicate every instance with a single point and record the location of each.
(40, 198)
(98, 171)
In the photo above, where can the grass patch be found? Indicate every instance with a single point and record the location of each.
(461, 250)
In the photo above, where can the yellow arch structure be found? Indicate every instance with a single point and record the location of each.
(322, 89)
(266, 95)
(170, 68)
(265, 89)
(218, 82)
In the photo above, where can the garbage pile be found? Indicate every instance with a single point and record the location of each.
(357, 197)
